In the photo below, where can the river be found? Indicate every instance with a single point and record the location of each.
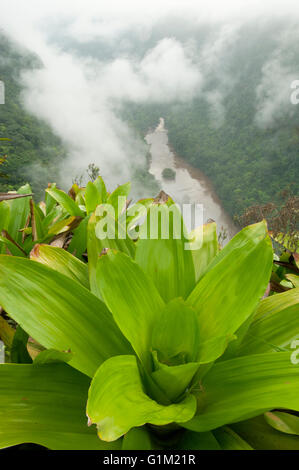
(190, 185)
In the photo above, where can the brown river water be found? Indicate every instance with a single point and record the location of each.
(190, 185)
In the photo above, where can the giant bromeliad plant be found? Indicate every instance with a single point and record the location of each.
(161, 347)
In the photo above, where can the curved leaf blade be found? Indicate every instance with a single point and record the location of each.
(65, 201)
(261, 436)
(274, 326)
(229, 292)
(59, 313)
(161, 251)
(132, 298)
(61, 261)
(117, 402)
(245, 387)
(283, 422)
(45, 405)
(206, 236)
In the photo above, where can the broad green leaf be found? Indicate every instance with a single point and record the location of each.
(134, 217)
(59, 313)
(117, 403)
(132, 298)
(248, 237)
(100, 185)
(63, 226)
(45, 405)
(210, 350)
(61, 261)
(173, 380)
(137, 439)
(161, 251)
(18, 351)
(4, 221)
(65, 201)
(175, 334)
(49, 200)
(51, 356)
(93, 251)
(206, 238)
(199, 441)
(19, 213)
(54, 216)
(78, 243)
(274, 326)
(9, 244)
(112, 232)
(229, 440)
(284, 422)
(229, 292)
(92, 197)
(261, 436)
(119, 197)
(245, 387)
(36, 218)
(294, 279)
(95, 247)
(6, 332)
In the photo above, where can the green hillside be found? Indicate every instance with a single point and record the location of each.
(33, 152)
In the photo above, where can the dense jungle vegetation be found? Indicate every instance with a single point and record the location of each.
(248, 164)
(33, 150)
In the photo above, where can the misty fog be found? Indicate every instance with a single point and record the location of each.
(95, 60)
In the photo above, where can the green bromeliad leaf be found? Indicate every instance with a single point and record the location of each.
(92, 197)
(19, 213)
(294, 279)
(199, 441)
(61, 261)
(119, 197)
(137, 439)
(51, 356)
(4, 221)
(274, 326)
(95, 246)
(100, 185)
(44, 404)
(161, 251)
(175, 334)
(117, 402)
(261, 436)
(229, 292)
(132, 298)
(230, 440)
(173, 380)
(245, 387)
(59, 313)
(206, 237)
(18, 351)
(78, 243)
(284, 422)
(65, 201)
(248, 237)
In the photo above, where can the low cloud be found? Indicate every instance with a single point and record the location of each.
(274, 91)
(77, 97)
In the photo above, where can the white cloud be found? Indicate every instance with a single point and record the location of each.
(78, 96)
(274, 91)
